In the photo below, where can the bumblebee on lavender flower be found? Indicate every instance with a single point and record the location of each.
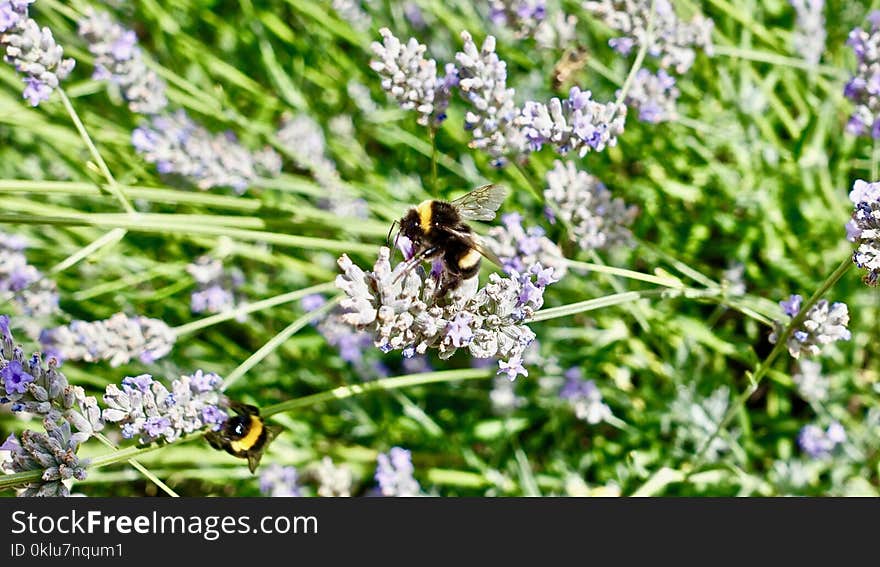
(438, 231)
(244, 435)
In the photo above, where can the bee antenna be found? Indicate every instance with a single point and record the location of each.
(388, 238)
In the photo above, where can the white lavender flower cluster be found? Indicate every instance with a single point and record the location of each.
(279, 481)
(118, 340)
(519, 248)
(30, 386)
(350, 342)
(216, 285)
(402, 311)
(147, 410)
(118, 59)
(22, 284)
(864, 229)
(824, 324)
(494, 117)
(333, 481)
(809, 34)
(577, 123)
(557, 32)
(653, 96)
(394, 473)
(818, 443)
(352, 12)
(304, 140)
(32, 51)
(522, 16)
(672, 41)
(584, 397)
(596, 220)
(861, 88)
(411, 79)
(179, 146)
(531, 18)
(53, 452)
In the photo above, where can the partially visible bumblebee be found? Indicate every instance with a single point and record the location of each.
(438, 231)
(572, 61)
(244, 435)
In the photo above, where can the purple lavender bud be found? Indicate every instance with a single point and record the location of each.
(118, 59)
(32, 51)
(394, 473)
(824, 324)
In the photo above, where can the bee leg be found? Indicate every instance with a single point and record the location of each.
(449, 280)
(415, 261)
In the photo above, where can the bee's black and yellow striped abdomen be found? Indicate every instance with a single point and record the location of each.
(244, 435)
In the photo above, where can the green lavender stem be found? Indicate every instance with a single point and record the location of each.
(640, 57)
(277, 341)
(764, 367)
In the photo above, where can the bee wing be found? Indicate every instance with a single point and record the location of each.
(254, 456)
(478, 244)
(481, 203)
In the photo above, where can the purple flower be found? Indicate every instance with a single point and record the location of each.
(546, 276)
(512, 367)
(820, 444)
(141, 382)
(312, 302)
(156, 426)
(459, 331)
(4, 327)
(15, 379)
(202, 382)
(279, 481)
(531, 293)
(394, 473)
(792, 306)
(11, 444)
(213, 416)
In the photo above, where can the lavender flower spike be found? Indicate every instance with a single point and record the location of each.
(596, 219)
(216, 286)
(823, 324)
(279, 481)
(864, 228)
(522, 16)
(584, 397)
(32, 51)
(148, 411)
(653, 96)
(394, 473)
(519, 248)
(412, 79)
(809, 34)
(30, 386)
(22, 283)
(333, 480)
(118, 339)
(577, 123)
(404, 312)
(862, 87)
(179, 146)
(493, 116)
(119, 60)
(53, 452)
(673, 41)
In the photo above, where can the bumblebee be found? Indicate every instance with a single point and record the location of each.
(244, 435)
(438, 230)
(572, 61)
